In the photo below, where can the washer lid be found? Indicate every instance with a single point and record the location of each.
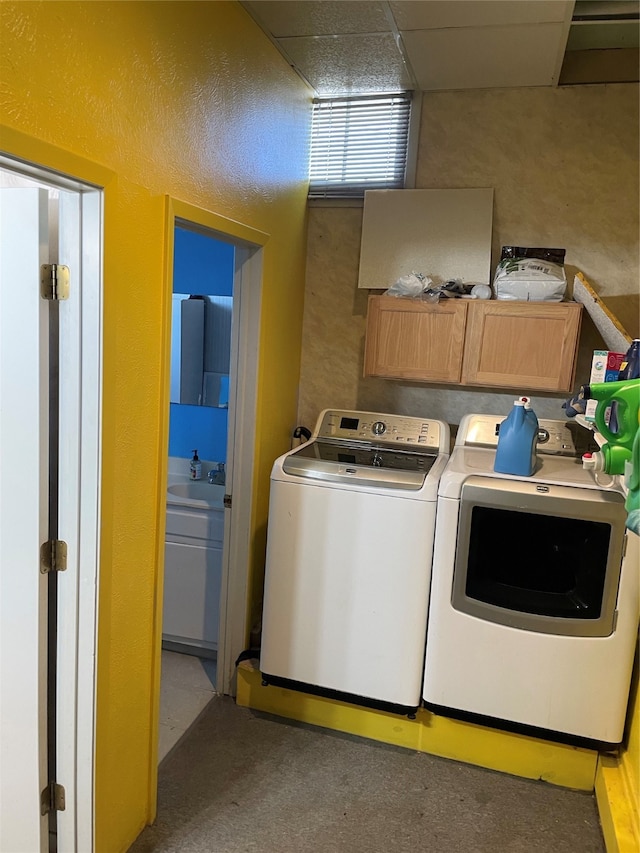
(367, 465)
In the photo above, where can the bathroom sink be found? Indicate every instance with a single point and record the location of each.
(197, 490)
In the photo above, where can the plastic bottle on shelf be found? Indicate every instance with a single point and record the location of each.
(610, 459)
(627, 395)
(593, 461)
(629, 369)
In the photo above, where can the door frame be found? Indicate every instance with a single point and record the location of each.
(81, 228)
(79, 517)
(245, 345)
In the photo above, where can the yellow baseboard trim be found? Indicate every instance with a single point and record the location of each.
(618, 807)
(559, 764)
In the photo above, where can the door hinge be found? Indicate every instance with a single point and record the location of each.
(53, 556)
(226, 501)
(54, 281)
(52, 799)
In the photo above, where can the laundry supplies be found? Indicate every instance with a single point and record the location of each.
(626, 396)
(517, 437)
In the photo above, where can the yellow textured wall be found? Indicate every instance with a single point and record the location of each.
(188, 99)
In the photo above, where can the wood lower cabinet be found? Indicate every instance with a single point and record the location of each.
(527, 346)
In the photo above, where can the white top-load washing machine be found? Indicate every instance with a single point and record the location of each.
(533, 615)
(349, 548)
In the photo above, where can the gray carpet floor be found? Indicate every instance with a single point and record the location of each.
(245, 782)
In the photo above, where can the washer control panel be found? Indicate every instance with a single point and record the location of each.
(398, 430)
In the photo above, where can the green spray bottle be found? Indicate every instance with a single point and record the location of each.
(626, 394)
(632, 482)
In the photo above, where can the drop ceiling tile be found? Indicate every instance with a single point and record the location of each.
(348, 64)
(603, 9)
(603, 35)
(285, 18)
(437, 14)
(485, 57)
(600, 66)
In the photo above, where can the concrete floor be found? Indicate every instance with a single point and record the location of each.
(244, 782)
(187, 685)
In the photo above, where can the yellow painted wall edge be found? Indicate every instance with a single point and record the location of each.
(559, 764)
(618, 782)
(617, 805)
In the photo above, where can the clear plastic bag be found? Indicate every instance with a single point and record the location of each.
(420, 286)
(530, 275)
(412, 285)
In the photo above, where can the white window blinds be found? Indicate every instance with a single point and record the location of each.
(358, 143)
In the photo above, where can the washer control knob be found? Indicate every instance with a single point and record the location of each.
(378, 428)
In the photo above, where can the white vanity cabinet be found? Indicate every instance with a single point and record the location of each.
(192, 576)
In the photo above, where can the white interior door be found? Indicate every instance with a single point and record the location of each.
(23, 519)
(48, 218)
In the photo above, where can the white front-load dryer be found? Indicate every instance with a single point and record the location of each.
(533, 616)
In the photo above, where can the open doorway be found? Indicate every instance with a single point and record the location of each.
(214, 285)
(201, 323)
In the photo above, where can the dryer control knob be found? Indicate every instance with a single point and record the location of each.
(543, 435)
(378, 428)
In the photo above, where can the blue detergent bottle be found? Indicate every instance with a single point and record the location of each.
(516, 451)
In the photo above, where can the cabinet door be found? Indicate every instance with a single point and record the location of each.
(410, 339)
(529, 346)
(192, 594)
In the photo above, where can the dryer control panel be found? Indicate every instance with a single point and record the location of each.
(560, 438)
(373, 427)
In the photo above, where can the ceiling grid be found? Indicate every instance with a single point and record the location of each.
(343, 47)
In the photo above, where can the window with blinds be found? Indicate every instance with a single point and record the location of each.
(358, 143)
